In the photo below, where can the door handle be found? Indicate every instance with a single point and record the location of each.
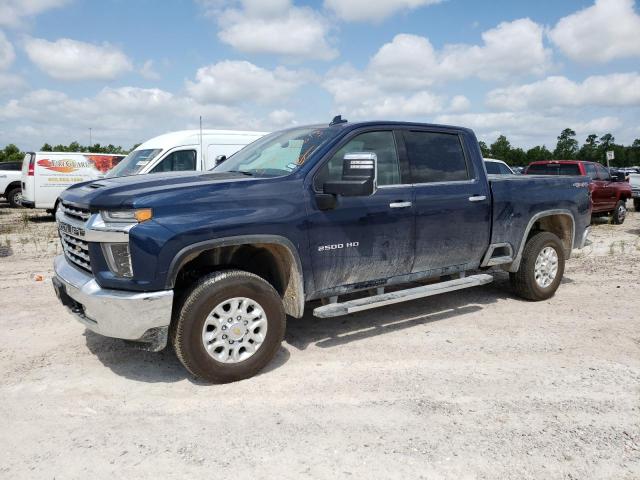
(400, 204)
(477, 198)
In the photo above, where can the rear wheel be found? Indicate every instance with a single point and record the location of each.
(619, 213)
(636, 204)
(14, 197)
(229, 326)
(541, 267)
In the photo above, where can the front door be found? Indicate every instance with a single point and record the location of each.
(604, 196)
(452, 203)
(363, 239)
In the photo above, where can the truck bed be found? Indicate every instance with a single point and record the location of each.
(518, 199)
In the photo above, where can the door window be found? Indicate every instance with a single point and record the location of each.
(436, 157)
(180, 160)
(603, 173)
(381, 143)
(590, 169)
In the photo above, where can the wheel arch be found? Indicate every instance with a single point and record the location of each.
(559, 222)
(11, 186)
(279, 264)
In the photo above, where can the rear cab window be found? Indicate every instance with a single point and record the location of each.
(572, 169)
(436, 157)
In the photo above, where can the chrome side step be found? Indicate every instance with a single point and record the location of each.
(375, 301)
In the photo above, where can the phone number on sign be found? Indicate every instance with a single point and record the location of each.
(65, 180)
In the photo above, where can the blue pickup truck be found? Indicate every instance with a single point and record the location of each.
(352, 215)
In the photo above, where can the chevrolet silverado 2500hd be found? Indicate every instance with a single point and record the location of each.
(213, 262)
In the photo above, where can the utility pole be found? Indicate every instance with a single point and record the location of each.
(90, 138)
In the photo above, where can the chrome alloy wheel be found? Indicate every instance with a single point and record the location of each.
(546, 267)
(234, 330)
(622, 212)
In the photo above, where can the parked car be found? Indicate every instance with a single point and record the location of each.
(45, 175)
(180, 151)
(609, 197)
(634, 181)
(10, 182)
(213, 262)
(497, 167)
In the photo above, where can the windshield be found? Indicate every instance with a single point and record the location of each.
(133, 163)
(279, 153)
(553, 169)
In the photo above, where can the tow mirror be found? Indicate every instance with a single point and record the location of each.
(220, 159)
(359, 176)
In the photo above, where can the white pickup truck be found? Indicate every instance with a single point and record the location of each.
(10, 182)
(634, 180)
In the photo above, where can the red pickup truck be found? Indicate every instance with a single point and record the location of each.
(608, 196)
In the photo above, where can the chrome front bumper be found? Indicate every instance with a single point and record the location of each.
(112, 313)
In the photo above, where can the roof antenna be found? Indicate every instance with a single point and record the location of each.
(337, 120)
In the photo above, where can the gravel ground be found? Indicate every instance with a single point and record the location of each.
(472, 384)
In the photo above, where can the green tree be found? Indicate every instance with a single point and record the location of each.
(589, 151)
(500, 148)
(11, 153)
(46, 148)
(567, 145)
(484, 149)
(538, 153)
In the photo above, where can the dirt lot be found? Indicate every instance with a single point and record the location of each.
(474, 384)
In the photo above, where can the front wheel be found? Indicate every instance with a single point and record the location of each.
(230, 325)
(636, 204)
(541, 267)
(619, 213)
(14, 197)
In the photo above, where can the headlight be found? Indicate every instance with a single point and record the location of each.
(127, 216)
(118, 258)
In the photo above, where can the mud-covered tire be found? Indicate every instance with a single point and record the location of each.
(14, 197)
(198, 304)
(636, 204)
(524, 281)
(619, 213)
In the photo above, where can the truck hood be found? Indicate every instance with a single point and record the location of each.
(129, 192)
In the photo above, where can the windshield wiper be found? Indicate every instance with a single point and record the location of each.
(243, 172)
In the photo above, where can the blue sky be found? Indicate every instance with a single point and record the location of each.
(134, 69)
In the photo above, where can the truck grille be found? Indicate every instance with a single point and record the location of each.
(76, 251)
(75, 212)
(75, 248)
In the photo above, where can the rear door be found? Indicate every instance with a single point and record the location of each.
(452, 202)
(28, 180)
(363, 239)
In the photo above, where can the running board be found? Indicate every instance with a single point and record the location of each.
(375, 301)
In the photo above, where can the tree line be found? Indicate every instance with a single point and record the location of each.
(567, 147)
(12, 153)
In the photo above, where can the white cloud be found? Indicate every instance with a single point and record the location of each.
(614, 90)
(511, 49)
(368, 11)
(607, 30)
(67, 59)
(116, 115)
(230, 82)
(526, 129)
(7, 54)
(12, 12)
(278, 28)
(147, 71)
(358, 97)
(459, 103)
(10, 83)
(281, 118)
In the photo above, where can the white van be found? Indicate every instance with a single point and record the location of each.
(45, 175)
(180, 151)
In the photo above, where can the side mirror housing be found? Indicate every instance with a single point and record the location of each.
(359, 176)
(220, 159)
